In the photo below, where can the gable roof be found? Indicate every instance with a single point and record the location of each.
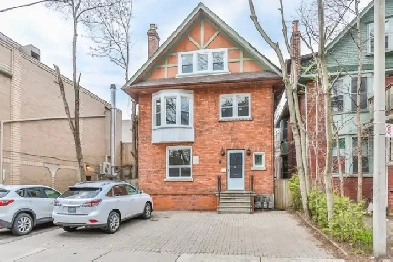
(187, 23)
(349, 26)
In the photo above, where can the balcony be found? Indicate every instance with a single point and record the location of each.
(388, 105)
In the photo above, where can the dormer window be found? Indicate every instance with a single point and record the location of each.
(205, 61)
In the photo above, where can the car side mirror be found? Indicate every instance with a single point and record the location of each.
(140, 191)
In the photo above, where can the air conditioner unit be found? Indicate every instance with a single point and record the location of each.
(105, 168)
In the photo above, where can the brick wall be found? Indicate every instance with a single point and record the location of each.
(29, 146)
(210, 136)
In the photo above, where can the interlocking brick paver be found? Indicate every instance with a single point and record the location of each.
(267, 234)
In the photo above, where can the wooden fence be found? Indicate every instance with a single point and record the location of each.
(282, 195)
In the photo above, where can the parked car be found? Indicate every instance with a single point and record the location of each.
(22, 207)
(100, 204)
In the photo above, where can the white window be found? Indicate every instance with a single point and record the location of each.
(179, 163)
(388, 42)
(235, 106)
(206, 61)
(172, 108)
(258, 161)
(338, 96)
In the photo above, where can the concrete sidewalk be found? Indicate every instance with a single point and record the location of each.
(23, 253)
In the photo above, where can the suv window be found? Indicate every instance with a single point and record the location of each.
(117, 190)
(81, 192)
(3, 192)
(131, 190)
(21, 192)
(50, 193)
(34, 193)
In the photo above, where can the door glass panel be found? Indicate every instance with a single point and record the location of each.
(34, 193)
(51, 193)
(235, 165)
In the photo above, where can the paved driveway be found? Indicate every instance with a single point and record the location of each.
(268, 235)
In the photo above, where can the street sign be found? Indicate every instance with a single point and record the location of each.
(389, 130)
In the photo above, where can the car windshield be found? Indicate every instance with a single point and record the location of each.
(81, 192)
(3, 192)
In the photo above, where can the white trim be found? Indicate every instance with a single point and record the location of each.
(178, 94)
(389, 32)
(209, 53)
(167, 178)
(235, 107)
(259, 167)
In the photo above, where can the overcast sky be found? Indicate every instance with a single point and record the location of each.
(49, 32)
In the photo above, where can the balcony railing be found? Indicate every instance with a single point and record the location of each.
(388, 103)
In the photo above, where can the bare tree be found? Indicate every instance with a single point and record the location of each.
(28, 4)
(78, 10)
(110, 30)
(291, 86)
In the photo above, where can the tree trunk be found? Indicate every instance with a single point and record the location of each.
(358, 102)
(328, 112)
(340, 171)
(76, 131)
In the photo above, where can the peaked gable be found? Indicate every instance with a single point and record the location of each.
(200, 30)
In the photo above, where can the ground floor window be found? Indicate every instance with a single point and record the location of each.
(346, 154)
(178, 162)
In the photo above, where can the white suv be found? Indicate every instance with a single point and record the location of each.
(100, 204)
(22, 207)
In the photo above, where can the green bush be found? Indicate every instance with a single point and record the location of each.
(294, 188)
(347, 224)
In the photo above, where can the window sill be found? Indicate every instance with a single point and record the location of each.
(172, 126)
(258, 168)
(388, 52)
(203, 73)
(335, 175)
(229, 119)
(179, 179)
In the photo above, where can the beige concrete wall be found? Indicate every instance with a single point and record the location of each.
(43, 143)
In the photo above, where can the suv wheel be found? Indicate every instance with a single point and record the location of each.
(69, 229)
(23, 224)
(113, 223)
(147, 211)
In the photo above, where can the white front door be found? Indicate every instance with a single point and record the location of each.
(235, 170)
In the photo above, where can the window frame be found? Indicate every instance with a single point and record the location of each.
(337, 92)
(388, 33)
(178, 94)
(353, 93)
(235, 115)
(259, 167)
(167, 177)
(194, 54)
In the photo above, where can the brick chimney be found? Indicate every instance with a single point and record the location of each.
(295, 44)
(153, 40)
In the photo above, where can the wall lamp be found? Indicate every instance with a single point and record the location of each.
(222, 152)
(248, 151)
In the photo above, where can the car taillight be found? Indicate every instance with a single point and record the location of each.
(5, 202)
(57, 203)
(92, 203)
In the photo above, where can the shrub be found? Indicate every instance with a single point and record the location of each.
(294, 188)
(347, 224)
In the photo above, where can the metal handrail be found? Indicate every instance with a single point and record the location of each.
(251, 192)
(219, 187)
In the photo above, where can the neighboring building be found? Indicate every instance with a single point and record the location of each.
(38, 146)
(205, 96)
(126, 135)
(343, 62)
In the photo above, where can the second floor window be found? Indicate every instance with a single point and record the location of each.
(370, 30)
(235, 106)
(338, 96)
(206, 61)
(363, 93)
(172, 109)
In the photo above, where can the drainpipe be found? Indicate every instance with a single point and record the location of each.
(1, 151)
(113, 129)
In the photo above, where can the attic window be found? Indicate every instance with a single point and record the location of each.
(206, 61)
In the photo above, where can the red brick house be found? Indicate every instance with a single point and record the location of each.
(206, 103)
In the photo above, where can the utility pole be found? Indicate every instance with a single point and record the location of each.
(379, 177)
(113, 129)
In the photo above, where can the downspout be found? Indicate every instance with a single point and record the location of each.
(1, 152)
(307, 138)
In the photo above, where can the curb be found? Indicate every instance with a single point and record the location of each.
(322, 234)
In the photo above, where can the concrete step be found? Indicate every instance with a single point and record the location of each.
(235, 198)
(234, 210)
(235, 204)
(236, 194)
